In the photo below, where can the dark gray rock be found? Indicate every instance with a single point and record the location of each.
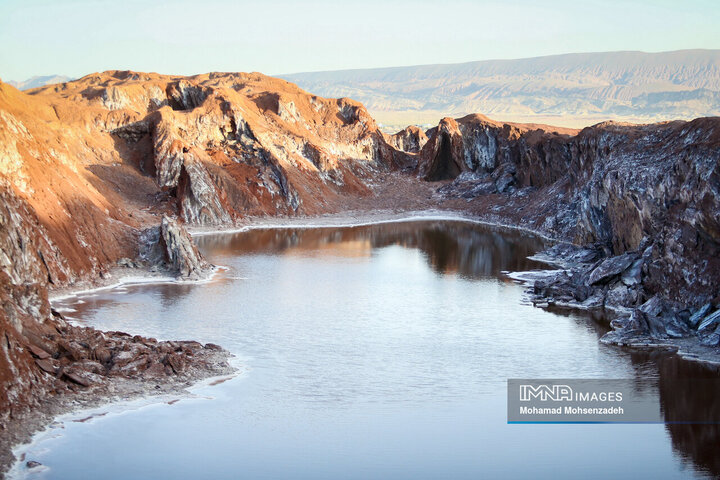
(621, 296)
(674, 326)
(655, 326)
(170, 248)
(504, 182)
(635, 323)
(709, 321)
(661, 321)
(611, 267)
(653, 307)
(713, 339)
(696, 317)
(633, 275)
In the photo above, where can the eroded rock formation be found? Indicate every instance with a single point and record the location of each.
(223, 146)
(410, 139)
(646, 198)
(169, 247)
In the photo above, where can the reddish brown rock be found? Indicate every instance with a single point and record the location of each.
(46, 366)
(76, 378)
(38, 352)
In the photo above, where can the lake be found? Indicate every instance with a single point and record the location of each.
(379, 351)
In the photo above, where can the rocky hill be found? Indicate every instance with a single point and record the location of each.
(572, 90)
(653, 190)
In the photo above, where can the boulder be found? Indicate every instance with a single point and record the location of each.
(713, 339)
(661, 320)
(156, 369)
(653, 307)
(633, 275)
(176, 362)
(76, 378)
(38, 352)
(674, 326)
(709, 321)
(611, 267)
(620, 296)
(102, 355)
(696, 317)
(46, 366)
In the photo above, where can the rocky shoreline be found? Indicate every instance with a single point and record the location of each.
(145, 367)
(170, 367)
(587, 279)
(80, 367)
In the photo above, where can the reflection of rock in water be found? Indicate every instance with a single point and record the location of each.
(691, 392)
(450, 247)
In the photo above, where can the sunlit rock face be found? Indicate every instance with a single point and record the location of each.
(410, 139)
(228, 145)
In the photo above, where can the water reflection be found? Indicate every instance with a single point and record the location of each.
(688, 387)
(686, 391)
(474, 252)
(468, 250)
(349, 335)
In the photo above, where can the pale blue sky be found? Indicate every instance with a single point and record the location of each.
(76, 37)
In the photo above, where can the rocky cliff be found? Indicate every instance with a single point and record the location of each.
(643, 199)
(223, 146)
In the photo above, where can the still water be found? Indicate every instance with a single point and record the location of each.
(372, 352)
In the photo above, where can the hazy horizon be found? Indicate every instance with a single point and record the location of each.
(281, 37)
(282, 74)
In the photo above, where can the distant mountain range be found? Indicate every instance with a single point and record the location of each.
(571, 90)
(41, 81)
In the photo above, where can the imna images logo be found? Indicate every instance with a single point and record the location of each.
(543, 392)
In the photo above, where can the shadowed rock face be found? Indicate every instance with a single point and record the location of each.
(533, 155)
(442, 158)
(623, 186)
(180, 253)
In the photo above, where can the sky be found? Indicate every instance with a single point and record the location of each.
(77, 37)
